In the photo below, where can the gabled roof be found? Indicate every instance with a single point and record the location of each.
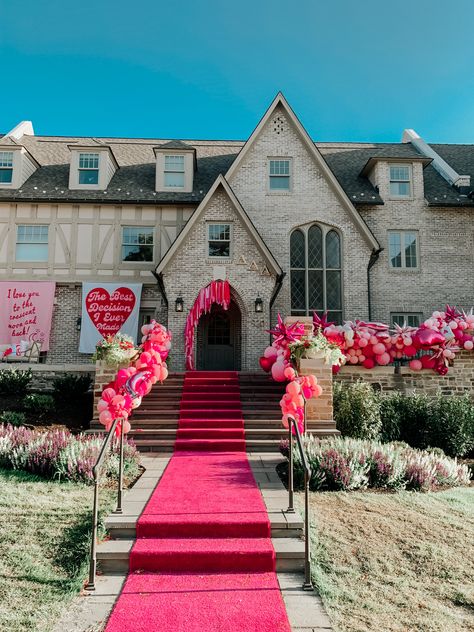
(220, 182)
(280, 101)
(175, 144)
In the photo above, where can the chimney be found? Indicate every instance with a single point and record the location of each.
(462, 183)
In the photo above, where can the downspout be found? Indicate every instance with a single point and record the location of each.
(374, 257)
(276, 291)
(161, 286)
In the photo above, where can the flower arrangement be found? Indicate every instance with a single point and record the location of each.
(115, 349)
(316, 346)
(59, 454)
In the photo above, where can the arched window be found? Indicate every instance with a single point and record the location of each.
(315, 272)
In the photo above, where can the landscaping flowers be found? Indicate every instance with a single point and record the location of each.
(347, 464)
(115, 349)
(59, 454)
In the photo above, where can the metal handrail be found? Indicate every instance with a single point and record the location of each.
(95, 510)
(308, 584)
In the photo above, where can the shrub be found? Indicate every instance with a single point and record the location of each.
(452, 425)
(70, 388)
(39, 404)
(13, 417)
(347, 464)
(59, 454)
(14, 381)
(357, 410)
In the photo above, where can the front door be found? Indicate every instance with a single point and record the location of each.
(218, 339)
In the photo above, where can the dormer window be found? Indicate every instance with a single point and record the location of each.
(92, 167)
(174, 171)
(175, 167)
(88, 168)
(400, 181)
(6, 167)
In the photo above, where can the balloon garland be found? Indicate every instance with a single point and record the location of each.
(125, 393)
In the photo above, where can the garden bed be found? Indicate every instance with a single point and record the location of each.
(395, 562)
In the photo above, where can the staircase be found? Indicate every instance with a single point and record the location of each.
(244, 408)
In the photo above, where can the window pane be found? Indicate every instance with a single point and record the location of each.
(280, 183)
(402, 319)
(315, 247)
(88, 161)
(219, 249)
(174, 163)
(395, 250)
(410, 250)
(298, 301)
(137, 253)
(32, 252)
(333, 289)
(6, 175)
(400, 173)
(6, 159)
(279, 167)
(315, 290)
(219, 231)
(400, 189)
(335, 317)
(333, 250)
(173, 179)
(297, 250)
(89, 176)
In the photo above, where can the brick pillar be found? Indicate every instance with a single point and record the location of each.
(104, 373)
(319, 412)
(319, 409)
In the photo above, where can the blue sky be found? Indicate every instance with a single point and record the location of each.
(352, 70)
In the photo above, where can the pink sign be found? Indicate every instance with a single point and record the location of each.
(26, 310)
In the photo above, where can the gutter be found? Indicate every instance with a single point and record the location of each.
(161, 286)
(374, 257)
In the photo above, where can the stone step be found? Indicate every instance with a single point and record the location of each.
(282, 525)
(113, 555)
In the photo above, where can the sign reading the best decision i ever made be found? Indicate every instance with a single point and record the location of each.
(108, 308)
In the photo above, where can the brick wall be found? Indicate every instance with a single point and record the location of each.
(458, 381)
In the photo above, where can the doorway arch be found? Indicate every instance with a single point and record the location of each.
(219, 339)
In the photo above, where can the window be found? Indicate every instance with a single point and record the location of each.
(6, 167)
(174, 171)
(400, 181)
(88, 168)
(32, 243)
(406, 318)
(219, 240)
(137, 243)
(279, 174)
(403, 249)
(316, 272)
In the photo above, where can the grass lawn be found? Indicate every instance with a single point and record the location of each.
(44, 542)
(399, 562)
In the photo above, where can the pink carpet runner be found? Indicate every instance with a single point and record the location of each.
(203, 560)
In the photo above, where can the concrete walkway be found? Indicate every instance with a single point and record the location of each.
(89, 611)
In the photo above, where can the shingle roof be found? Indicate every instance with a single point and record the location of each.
(135, 178)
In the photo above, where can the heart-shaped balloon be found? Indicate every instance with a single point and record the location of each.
(426, 338)
(266, 363)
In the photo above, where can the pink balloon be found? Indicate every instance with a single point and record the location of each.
(270, 352)
(102, 405)
(383, 359)
(415, 365)
(293, 388)
(379, 348)
(278, 372)
(469, 345)
(105, 417)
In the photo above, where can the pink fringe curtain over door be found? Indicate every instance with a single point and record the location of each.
(216, 292)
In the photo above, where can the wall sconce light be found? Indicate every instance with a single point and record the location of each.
(258, 305)
(179, 305)
(78, 324)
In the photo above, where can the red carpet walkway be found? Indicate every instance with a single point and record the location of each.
(203, 559)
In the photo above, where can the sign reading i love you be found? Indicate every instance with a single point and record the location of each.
(26, 311)
(106, 309)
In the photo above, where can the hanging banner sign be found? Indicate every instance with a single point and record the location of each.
(108, 308)
(26, 311)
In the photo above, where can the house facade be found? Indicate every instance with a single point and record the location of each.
(363, 230)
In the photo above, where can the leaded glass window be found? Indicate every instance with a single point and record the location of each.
(316, 272)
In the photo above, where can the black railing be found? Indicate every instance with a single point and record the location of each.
(308, 584)
(95, 509)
